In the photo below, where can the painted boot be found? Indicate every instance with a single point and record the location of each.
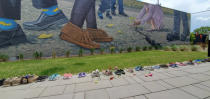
(99, 35)
(12, 37)
(76, 35)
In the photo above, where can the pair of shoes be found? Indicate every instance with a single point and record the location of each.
(197, 61)
(82, 75)
(138, 68)
(122, 13)
(180, 64)
(173, 65)
(42, 78)
(12, 82)
(148, 75)
(107, 72)
(29, 79)
(119, 72)
(54, 77)
(67, 76)
(84, 38)
(2, 82)
(156, 67)
(149, 68)
(95, 73)
(100, 15)
(130, 70)
(190, 62)
(163, 66)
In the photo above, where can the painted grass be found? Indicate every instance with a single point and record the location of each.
(89, 63)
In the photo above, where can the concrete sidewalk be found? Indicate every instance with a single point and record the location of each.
(189, 82)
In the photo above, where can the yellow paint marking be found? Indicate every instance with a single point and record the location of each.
(5, 24)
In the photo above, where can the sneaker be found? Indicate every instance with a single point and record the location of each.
(107, 72)
(120, 72)
(100, 15)
(54, 77)
(45, 21)
(42, 78)
(138, 68)
(12, 37)
(95, 74)
(67, 76)
(130, 70)
(81, 75)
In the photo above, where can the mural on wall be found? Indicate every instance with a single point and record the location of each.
(57, 26)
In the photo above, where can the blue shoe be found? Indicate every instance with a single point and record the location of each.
(156, 67)
(100, 15)
(81, 75)
(138, 68)
(54, 77)
(173, 65)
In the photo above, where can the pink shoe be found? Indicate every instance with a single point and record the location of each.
(67, 76)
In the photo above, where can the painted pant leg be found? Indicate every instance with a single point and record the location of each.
(44, 3)
(186, 30)
(91, 17)
(10, 9)
(105, 5)
(120, 6)
(177, 20)
(113, 5)
(80, 11)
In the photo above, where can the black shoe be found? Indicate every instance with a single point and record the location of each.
(12, 37)
(44, 21)
(114, 13)
(2, 82)
(172, 37)
(123, 14)
(109, 16)
(183, 37)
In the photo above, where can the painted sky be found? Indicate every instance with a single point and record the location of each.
(190, 6)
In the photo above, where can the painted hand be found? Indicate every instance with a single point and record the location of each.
(136, 22)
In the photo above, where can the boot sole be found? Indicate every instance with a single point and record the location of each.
(56, 23)
(15, 41)
(103, 40)
(65, 37)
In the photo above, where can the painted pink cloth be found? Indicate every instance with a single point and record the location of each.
(155, 12)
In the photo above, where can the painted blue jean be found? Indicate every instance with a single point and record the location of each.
(178, 17)
(104, 6)
(120, 6)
